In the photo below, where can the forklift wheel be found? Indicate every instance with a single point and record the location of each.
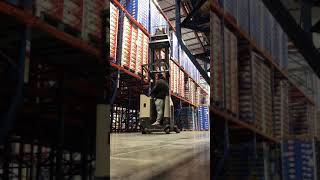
(143, 132)
(177, 130)
(167, 130)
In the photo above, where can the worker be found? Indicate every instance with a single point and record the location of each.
(159, 93)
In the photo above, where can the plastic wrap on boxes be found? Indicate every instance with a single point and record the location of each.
(114, 18)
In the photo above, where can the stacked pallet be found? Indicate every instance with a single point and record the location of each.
(281, 109)
(231, 72)
(114, 18)
(298, 158)
(139, 10)
(92, 18)
(255, 92)
(188, 118)
(177, 80)
(198, 96)
(134, 48)
(203, 118)
(216, 79)
(302, 114)
(181, 84)
(242, 164)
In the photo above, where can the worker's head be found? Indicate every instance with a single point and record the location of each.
(161, 76)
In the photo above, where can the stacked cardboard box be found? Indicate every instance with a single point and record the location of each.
(126, 43)
(92, 18)
(281, 109)
(231, 72)
(139, 9)
(171, 64)
(203, 117)
(139, 52)
(243, 165)
(134, 47)
(114, 18)
(302, 114)
(181, 84)
(255, 92)
(188, 118)
(216, 78)
(299, 158)
(52, 8)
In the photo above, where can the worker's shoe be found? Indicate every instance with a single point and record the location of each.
(157, 123)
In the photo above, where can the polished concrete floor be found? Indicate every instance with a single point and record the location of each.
(160, 156)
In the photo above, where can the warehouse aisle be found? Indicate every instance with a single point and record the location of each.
(159, 156)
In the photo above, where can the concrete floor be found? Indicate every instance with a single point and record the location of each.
(159, 156)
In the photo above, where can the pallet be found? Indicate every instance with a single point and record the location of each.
(60, 25)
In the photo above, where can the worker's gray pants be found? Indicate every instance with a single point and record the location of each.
(159, 106)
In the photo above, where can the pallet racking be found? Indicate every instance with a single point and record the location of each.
(183, 78)
(273, 63)
(54, 98)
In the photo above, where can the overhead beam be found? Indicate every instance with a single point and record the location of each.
(202, 72)
(302, 41)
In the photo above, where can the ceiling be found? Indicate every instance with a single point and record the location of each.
(294, 7)
(196, 42)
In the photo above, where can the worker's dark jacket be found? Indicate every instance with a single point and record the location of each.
(161, 89)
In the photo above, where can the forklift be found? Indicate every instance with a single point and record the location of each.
(158, 64)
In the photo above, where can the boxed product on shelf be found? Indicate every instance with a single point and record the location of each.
(139, 9)
(92, 18)
(126, 43)
(234, 74)
(299, 158)
(188, 118)
(281, 109)
(216, 79)
(134, 47)
(114, 18)
(275, 41)
(301, 114)
(139, 59)
(203, 117)
(51, 8)
(255, 99)
(145, 59)
(243, 165)
(133, 50)
(181, 84)
(171, 75)
(72, 13)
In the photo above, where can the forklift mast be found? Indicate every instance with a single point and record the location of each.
(159, 57)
